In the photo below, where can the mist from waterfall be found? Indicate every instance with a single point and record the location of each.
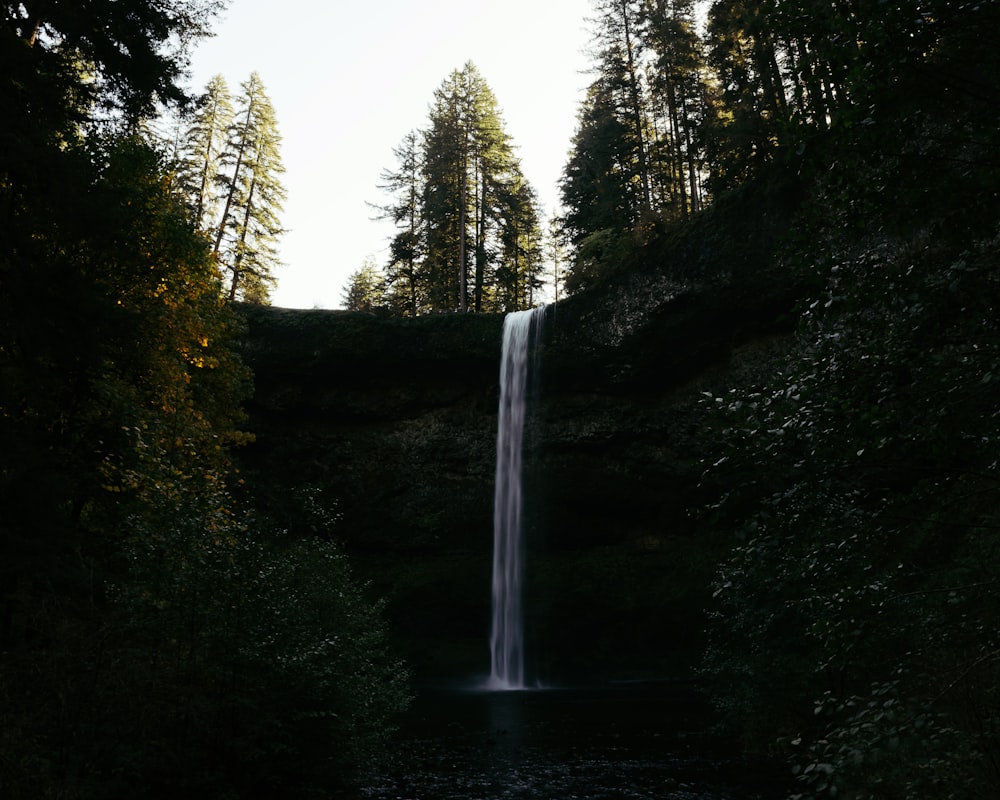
(520, 330)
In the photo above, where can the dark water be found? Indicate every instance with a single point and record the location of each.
(624, 742)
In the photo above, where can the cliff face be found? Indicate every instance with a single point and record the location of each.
(394, 421)
(389, 418)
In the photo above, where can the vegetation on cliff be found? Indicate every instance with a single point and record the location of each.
(850, 629)
(850, 156)
(156, 639)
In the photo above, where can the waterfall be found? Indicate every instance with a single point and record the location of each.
(507, 634)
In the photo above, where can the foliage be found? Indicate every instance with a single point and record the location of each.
(849, 624)
(271, 662)
(597, 187)
(69, 60)
(847, 96)
(365, 289)
(227, 165)
(468, 231)
(247, 174)
(229, 663)
(126, 668)
(637, 158)
(847, 632)
(200, 151)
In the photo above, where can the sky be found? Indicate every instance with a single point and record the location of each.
(349, 80)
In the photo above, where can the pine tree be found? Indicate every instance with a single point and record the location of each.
(519, 273)
(620, 52)
(447, 149)
(743, 128)
(467, 221)
(598, 185)
(470, 173)
(406, 185)
(678, 101)
(365, 289)
(248, 228)
(555, 254)
(201, 150)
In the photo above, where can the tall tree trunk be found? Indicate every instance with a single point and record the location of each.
(693, 193)
(678, 152)
(463, 277)
(411, 266)
(229, 199)
(637, 115)
(206, 169)
(238, 260)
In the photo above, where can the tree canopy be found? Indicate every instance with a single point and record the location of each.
(140, 655)
(468, 223)
(678, 115)
(229, 166)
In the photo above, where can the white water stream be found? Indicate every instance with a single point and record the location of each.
(520, 329)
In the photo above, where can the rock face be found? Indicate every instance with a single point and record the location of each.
(391, 418)
(395, 421)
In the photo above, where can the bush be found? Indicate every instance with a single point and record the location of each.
(848, 630)
(270, 664)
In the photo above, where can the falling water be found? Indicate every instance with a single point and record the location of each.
(507, 636)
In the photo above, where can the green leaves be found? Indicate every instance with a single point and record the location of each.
(469, 236)
(866, 554)
(155, 643)
(229, 167)
(271, 662)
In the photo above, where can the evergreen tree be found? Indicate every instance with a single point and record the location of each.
(677, 102)
(151, 644)
(65, 61)
(447, 148)
(468, 235)
(248, 228)
(620, 52)
(598, 185)
(469, 172)
(518, 275)
(751, 106)
(406, 185)
(201, 150)
(555, 254)
(365, 289)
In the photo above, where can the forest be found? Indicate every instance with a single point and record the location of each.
(163, 635)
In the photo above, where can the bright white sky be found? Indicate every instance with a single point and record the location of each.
(348, 80)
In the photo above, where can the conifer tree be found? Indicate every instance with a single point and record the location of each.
(447, 148)
(620, 52)
(598, 183)
(519, 272)
(201, 149)
(469, 171)
(406, 185)
(678, 92)
(365, 289)
(248, 228)
(467, 221)
(555, 254)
